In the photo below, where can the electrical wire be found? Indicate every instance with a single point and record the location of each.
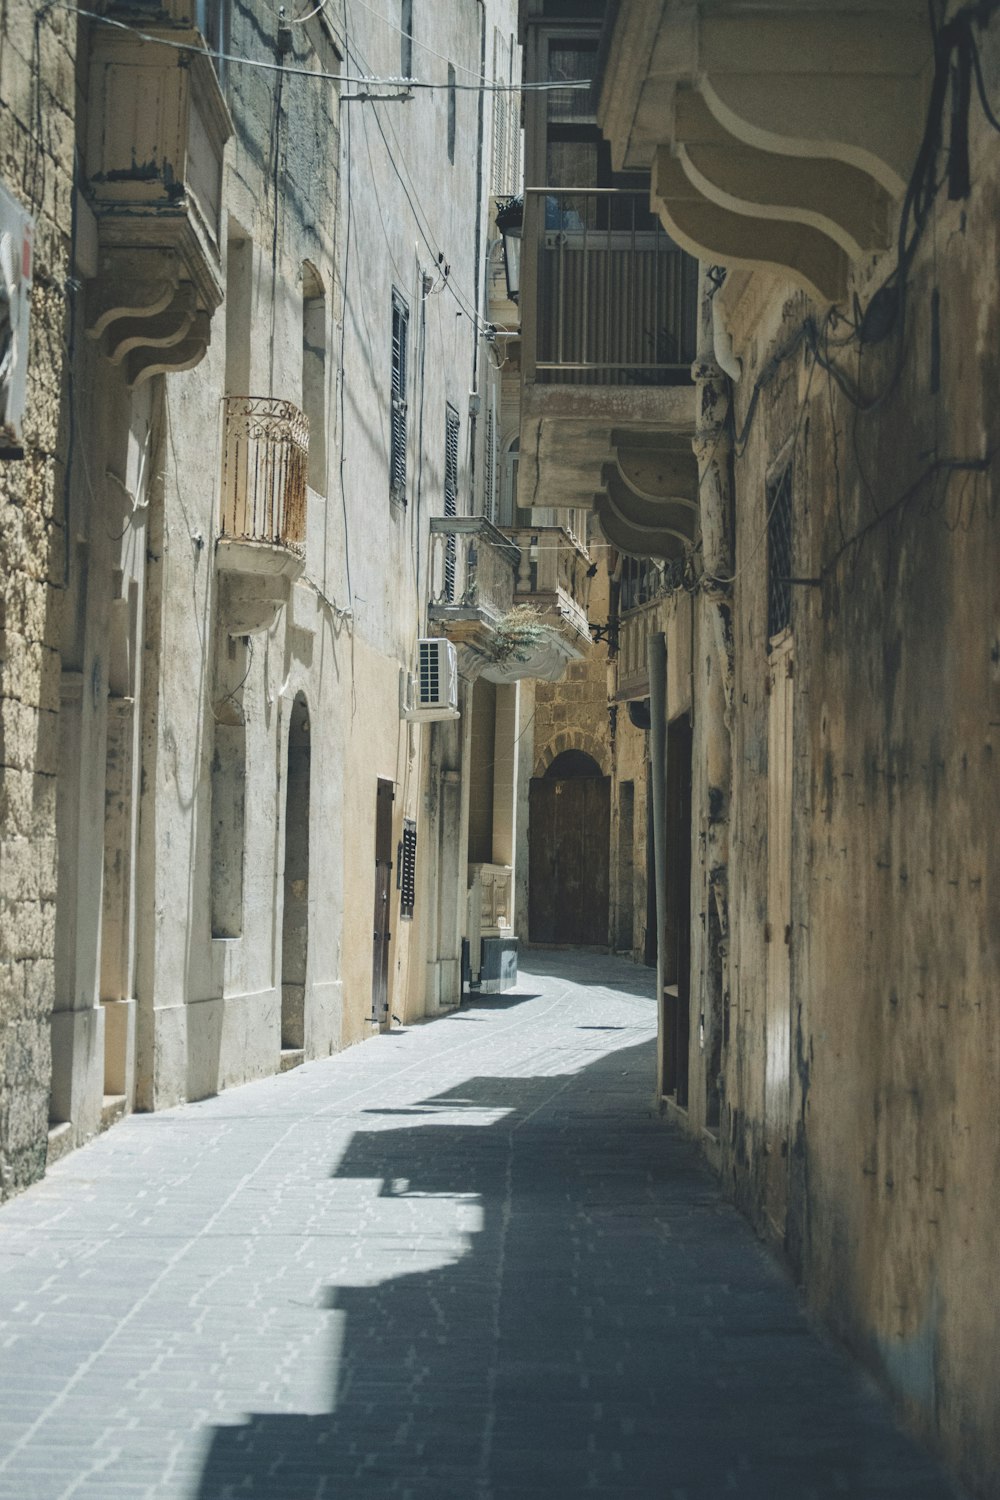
(404, 84)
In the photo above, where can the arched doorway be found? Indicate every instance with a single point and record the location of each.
(568, 834)
(295, 915)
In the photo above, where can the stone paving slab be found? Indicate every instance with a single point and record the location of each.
(463, 1262)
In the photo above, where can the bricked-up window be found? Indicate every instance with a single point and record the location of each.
(452, 424)
(407, 865)
(779, 553)
(397, 438)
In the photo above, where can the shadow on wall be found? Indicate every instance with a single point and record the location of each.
(605, 1311)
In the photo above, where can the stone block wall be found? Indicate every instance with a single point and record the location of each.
(36, 156)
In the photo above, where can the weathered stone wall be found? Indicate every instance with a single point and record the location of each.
(36, 158)
(860, 1129)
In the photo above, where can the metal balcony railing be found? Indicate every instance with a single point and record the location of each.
(607, 297)
(473, 567)
(264, 473)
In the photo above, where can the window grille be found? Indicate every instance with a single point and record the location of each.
(452, 424)
(397, 439)
(779, 553)
(407, 869)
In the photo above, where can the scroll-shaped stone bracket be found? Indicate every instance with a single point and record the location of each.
(166, 359)
(846, 204)
(156, 332)
(717, 234)
(133, 283)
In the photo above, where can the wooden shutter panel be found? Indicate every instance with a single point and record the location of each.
(397, 451)
(407, 869)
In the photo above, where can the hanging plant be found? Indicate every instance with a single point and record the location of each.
(516, 634)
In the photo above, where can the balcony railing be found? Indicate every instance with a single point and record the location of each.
(473, 566)
(552, 574)
(264, 476)
(608, 298)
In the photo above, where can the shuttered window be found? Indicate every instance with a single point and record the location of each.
(407, 869)
(490, 468)
(452, 424)
(397, 439)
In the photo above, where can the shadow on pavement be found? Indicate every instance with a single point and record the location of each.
(611, 1328)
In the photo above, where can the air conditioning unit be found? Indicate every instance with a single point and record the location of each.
(432, 694)
(16, 228)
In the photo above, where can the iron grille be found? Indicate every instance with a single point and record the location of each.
(452, 423)
(264, 473)
(397, 451)
(407, 869)
(779, 553)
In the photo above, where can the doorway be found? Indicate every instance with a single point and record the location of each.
(677, 938)
(295, 914)
(625, 904)
(383, 882)
(568, 841)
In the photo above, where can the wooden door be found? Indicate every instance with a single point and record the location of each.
(383, 886)
(778, 1030)
(568, 861)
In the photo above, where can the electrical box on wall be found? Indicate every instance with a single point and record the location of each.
(431, 695)
(16, 230)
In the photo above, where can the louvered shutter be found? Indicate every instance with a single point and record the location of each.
(397, 450)
(451, 428)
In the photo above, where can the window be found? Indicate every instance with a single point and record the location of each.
(397, 436)
(452, 107)
(406, 39)
(314, 373)
(506, 174)
(452, 423)
(779, 553)
(406, 879)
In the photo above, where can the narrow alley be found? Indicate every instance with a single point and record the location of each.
(465, 1260)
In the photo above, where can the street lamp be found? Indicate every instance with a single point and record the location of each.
(510, 222)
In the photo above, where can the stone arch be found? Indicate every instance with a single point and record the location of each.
(574, 739)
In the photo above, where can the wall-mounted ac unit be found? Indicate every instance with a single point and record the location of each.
(16, 228)
(431, 694)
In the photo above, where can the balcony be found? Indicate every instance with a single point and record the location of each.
(472, 570)
(157, 129)
(552, 578)
(262, 524)
(609, 328)
(650, 601)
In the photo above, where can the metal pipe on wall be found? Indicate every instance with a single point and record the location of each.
(656, 661)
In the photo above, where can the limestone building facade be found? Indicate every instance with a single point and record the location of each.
(815, 655)
(267, 444)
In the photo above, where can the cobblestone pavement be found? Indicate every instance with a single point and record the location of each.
(461, 1262)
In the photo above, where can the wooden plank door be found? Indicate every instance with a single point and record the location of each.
(383, 886)
(568, 866)
(778, 1030)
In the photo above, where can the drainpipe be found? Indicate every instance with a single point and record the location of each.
(656, 659)
(480, 272)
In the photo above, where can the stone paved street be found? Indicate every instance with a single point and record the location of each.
(464, 1260)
